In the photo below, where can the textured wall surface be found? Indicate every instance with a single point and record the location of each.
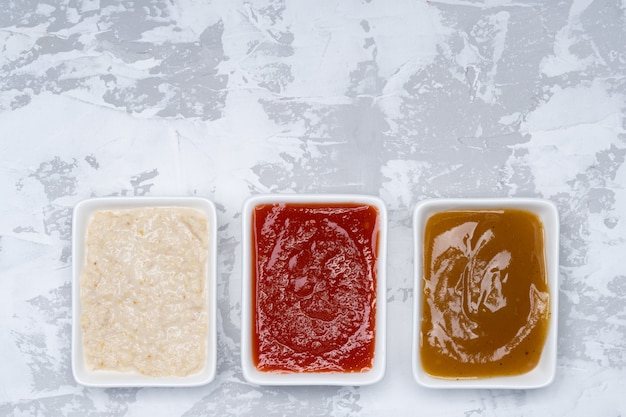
(402, 99)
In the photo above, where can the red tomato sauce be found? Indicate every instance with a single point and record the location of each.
(314, 287)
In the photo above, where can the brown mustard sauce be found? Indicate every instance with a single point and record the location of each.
(485, 294)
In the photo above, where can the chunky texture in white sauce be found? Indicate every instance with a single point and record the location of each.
(143, 291)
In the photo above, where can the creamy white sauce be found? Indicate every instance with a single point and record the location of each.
(143, 291)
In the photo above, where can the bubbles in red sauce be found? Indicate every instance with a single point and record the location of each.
(314, 287)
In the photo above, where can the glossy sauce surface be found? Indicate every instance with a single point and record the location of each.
(314, 287)
(485, 294)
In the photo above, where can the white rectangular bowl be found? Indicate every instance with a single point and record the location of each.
(100, 378)
(250, 372)
(543, 374)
